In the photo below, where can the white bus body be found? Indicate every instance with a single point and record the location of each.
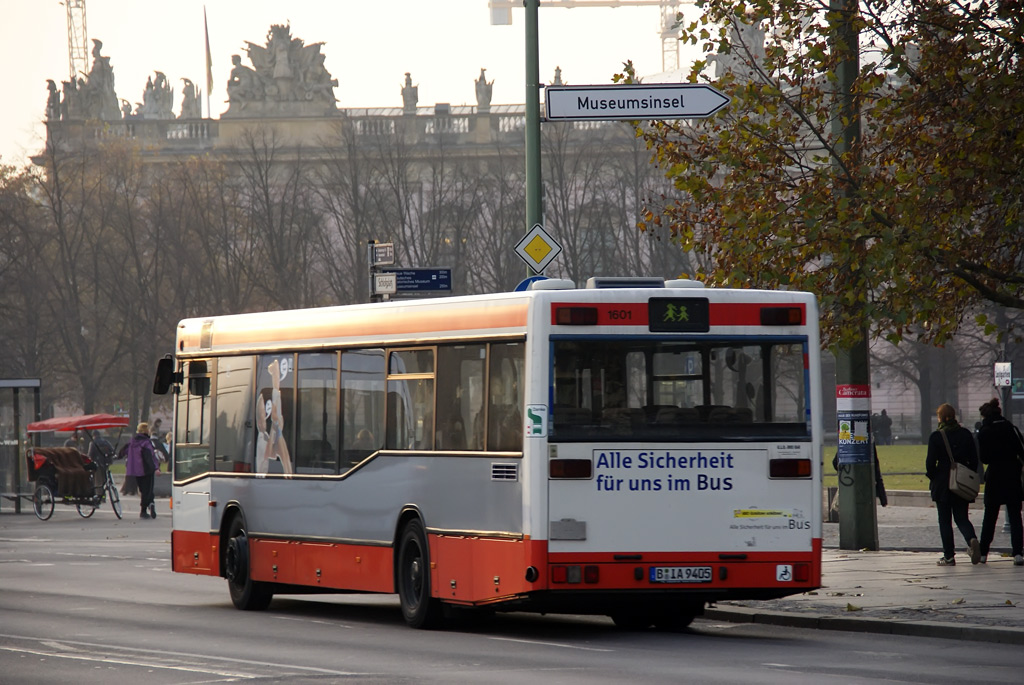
(635, 452)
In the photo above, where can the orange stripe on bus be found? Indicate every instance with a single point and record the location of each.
(474, 570)
(328, 565)
(193, 552)
(352, 324)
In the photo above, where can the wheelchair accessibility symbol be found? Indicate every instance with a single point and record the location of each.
(784, 573)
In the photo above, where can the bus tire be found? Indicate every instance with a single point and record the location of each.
(246, 593)
(419, 609)
(632, 620)
(674, 622)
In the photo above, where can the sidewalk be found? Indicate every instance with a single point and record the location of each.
(899, 590)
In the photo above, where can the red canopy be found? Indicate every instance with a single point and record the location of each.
(66, 424)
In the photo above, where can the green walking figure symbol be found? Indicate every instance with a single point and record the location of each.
(674, 313)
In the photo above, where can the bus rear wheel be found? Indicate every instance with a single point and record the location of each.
(246, 593)
(419, 609)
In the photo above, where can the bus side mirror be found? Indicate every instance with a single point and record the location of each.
(165, 376)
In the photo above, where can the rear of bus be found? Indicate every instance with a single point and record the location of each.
(682, 432)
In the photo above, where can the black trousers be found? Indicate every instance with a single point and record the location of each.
(953, 508)
(145, 490)
(988, 524)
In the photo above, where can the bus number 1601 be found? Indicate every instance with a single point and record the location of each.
(620, 314)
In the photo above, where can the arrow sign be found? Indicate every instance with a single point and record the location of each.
(655, 101)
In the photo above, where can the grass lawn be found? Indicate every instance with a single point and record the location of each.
(902, 467)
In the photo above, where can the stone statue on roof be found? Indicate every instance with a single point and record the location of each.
(483, 92)
(287, 78)
(410, 95)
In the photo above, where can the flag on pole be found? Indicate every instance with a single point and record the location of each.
(209, 66)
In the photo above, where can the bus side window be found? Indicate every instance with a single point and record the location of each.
(275, 413)
(316, 413)
(460, 381)
(363, 385)
(411, 399)
(233, 441)
(504, 413)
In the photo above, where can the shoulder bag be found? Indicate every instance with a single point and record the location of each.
(963, 482)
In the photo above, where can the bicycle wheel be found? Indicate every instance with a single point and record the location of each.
(86, 510)
(115, 498)
(42, 502)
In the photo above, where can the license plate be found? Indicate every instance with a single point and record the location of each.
(680, 574)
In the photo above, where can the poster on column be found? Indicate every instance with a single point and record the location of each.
(853, 410)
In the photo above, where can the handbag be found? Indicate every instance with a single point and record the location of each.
(963, 482)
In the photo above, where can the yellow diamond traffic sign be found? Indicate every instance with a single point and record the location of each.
(537, 248)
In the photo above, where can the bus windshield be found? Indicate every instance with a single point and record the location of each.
(637, 390)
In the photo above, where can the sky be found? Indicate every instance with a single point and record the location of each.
(369, 45)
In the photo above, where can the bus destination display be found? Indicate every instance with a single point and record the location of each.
(678, 314)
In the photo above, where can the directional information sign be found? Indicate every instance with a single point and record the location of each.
(537, 248)
(383, 253)
(421, 280)
(654, 101)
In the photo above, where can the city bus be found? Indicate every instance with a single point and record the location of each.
(635, 448)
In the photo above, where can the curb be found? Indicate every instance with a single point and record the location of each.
(934, 629)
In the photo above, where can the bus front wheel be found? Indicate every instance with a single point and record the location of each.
(419, 609)
(246, 593)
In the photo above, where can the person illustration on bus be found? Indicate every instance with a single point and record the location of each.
(270, 443)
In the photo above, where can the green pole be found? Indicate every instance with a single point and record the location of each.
(858, 526)
(533, 178)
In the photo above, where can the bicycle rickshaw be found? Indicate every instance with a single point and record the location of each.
(65, 475)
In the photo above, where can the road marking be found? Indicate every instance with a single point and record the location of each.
(178, 657)
(551, 644)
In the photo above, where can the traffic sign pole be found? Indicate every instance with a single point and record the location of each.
(533, 178)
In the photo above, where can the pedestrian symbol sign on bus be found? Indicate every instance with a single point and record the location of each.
(537, 248)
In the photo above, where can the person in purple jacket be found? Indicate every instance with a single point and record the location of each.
(141, 462)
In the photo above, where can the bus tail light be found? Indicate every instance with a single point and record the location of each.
(570, 468)
(801, 573)
(591, 574)
(789, 468)
(576, 316)
(781, 316)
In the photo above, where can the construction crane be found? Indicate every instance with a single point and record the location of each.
(78, 39)
(501, 14)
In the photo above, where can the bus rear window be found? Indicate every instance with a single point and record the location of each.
(637, 390)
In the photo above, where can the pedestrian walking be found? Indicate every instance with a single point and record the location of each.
(951, 442)
(1001, 450)
(141, 462)
(883, 428)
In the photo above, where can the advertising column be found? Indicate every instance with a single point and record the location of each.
(858, 526)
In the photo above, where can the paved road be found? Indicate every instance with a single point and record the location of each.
(94, 601)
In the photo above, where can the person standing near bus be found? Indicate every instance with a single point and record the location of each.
(1001, 450)
(141, 462)
(937, 466)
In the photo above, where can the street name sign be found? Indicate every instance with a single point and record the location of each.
(640, 101)
(1003, 374)
(537, 248)
(385, 284)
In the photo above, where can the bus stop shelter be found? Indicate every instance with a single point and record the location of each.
(19, 406)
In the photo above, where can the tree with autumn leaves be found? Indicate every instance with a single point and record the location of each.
(910, 230)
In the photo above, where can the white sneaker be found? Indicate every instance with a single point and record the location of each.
(1018, 560)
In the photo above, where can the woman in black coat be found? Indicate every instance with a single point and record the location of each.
(947, 504)
(1001, 451)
